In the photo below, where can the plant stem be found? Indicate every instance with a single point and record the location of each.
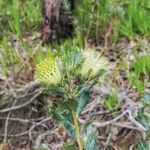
(77, 129)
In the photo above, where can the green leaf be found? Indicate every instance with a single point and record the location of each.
(142, 118)
(71, 61)
(83, 100)
(68, 105)
(64, 117)
(68, 124)
(70, 146)
(88, 123)
(146, 100)
(90, 143)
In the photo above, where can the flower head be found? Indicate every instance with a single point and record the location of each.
(93, 63)
(48, 72)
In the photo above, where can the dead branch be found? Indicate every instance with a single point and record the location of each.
(102, 124)
(33, 121)
(22, 105)
(6, 123)
(35, 125)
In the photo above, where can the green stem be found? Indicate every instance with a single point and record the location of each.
(77, 129)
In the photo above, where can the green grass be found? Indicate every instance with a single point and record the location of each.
(90, 17)
(111, 100)
(140, 74)
(137, 18)
(93, 18)
(127, 18)
(18, 16)
(9, 57)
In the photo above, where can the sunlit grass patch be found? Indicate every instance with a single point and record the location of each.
(8, 56)
(140, 74)
(20, 16)
(114, 18)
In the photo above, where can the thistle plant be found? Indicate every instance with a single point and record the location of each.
(71, 76)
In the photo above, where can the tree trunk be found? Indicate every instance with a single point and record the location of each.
(57, 22)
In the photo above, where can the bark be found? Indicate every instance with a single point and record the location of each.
(57, 22)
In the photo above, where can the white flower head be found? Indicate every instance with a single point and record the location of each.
(93, 63)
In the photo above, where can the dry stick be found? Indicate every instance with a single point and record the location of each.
(97, 124)
(102, 112)
(29, 131)
(9, 114)
(23, 120)
(132, 119)
(125, 125)
(103, 124)
(30, 85)
(19, 120)
(90, 25)
(97, 23)
(17, 135)
(6, 123)
(108, 139)
(107, 35)
(22, 105)
(35, 125)
(91, 106)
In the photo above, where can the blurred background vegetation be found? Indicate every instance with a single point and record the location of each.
(122, 18)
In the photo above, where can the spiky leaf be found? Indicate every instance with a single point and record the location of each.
(90, 142)
(83, 100)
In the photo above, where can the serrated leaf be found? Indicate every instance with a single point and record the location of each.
(90, 143)
(87, 124)
(83, 100)
(142, 118)
(147, 99)
(68, 105)
(72, 60)
(65, 118)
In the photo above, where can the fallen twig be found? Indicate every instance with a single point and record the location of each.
(22, 105)
(6, 123)
(113, 122)
(35, 125)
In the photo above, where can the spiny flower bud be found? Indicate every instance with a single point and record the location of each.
(48, 72)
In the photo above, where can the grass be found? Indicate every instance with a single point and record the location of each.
(127, 18)
(140, 74)
(18, 16)
(137, 19)
(93, 18)
(111, 101)
(9, 56)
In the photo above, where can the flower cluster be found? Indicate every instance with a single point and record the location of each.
(48, 70)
